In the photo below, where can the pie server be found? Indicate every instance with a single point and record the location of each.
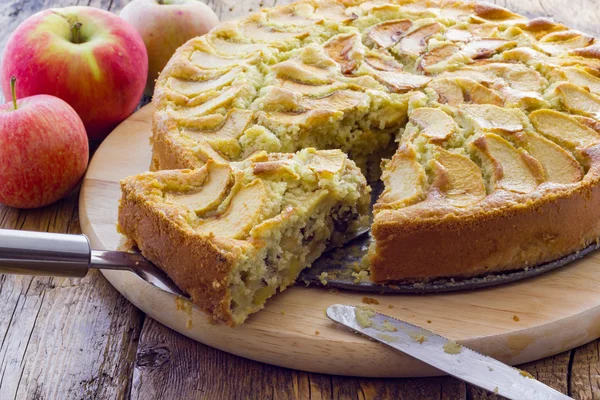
(449, 357)
(69, 255)
(57, 254)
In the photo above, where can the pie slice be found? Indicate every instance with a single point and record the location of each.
(231, 235)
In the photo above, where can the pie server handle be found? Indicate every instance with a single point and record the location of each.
(57, 254)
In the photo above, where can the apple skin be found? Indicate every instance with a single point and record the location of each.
(165, 27)
(43, 151)
(102, 78)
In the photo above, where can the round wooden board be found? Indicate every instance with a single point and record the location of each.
(515, 323)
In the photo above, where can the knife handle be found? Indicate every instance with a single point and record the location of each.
(42, 253)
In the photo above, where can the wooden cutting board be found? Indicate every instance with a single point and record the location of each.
(515, 323)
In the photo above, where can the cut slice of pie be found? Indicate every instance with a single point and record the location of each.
(231, 235)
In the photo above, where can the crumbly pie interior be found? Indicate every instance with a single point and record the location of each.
(232, 234)
(486, 122)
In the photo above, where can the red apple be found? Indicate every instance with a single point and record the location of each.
(90, 58)
(164, 26)
(43, 151)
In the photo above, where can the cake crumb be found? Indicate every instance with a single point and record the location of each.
(334, 291)
(526, 374)
(282, 312)
(387, 326)
(386, 338)
(369, 300)
(496, 390)
(360, 276)
(317, 333)
(428, 321)
(419, 338)
(363, 316)
(323, 278)
(390, 306)
(516, 318)
(490, 369)
(452, 347)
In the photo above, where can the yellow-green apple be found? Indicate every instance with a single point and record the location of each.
(164, 26)
(90, 58)
(43, 150)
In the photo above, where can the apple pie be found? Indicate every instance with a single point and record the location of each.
(485, 124)
(232, 234)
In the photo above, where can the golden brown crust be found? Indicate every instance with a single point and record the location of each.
(196, 264)
(411, 246)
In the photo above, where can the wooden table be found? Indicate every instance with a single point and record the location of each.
(80, 339)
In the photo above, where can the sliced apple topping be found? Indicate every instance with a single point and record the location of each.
(492, 118)
(415, 42)
(194, 88)
(485, 48)
(297, 70)
(458, 35)
(207, 60)
(592, 51)
(231, 48)
(341, 100)
(223, 99)
(401, 82)
(345, 50)
(457, 178)
(245, 211)
(214, 189)
(578, 100)
(224, 137)
(255, 30)
(333, 10)
(556, 43)
(404, 179)
(493, 12)
(560, 166)
(328, 162)
(310, 90)
(292, 15)
(564, 129)
(509, 168)
(435, 124)
(383, 62)
(388, 33)
(580, 77)
(438, 55)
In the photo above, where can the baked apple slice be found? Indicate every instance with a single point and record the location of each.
(564, 129)
(388, 33)
(457, 178)
(404, 179)
(507, 167)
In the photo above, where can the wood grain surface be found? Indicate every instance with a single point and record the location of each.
(79, 339)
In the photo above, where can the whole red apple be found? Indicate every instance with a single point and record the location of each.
(43, 151)
(90, 58)
(164, 26)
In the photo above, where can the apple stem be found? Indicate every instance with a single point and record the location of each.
(13, 90)
(76, 32)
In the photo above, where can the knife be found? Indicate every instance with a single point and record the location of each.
(443, 354)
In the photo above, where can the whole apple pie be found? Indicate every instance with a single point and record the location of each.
(482, 124)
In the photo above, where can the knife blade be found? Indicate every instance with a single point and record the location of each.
(443, 354)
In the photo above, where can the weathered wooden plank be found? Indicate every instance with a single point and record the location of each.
(61, 338)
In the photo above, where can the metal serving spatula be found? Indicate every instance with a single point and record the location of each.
(437, 351)
(55, 254)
